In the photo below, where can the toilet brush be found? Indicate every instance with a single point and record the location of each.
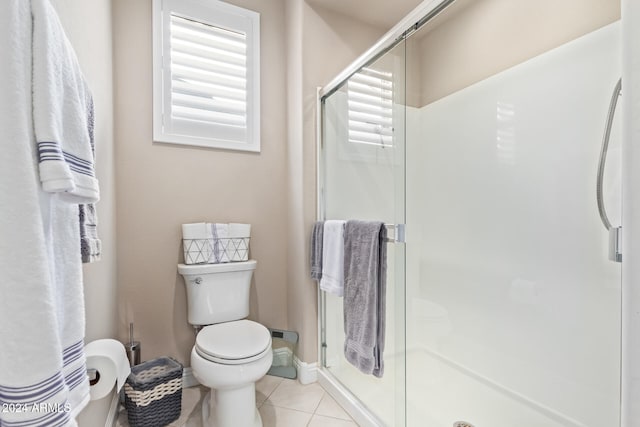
(133, 348)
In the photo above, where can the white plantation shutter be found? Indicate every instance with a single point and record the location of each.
(208, 74)
(209, 79)
(370, 105)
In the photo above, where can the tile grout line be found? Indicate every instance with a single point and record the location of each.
(313, 414)
(272, 391)
(324, 393)
(349, 421)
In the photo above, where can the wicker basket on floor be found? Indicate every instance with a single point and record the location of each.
(153, 393)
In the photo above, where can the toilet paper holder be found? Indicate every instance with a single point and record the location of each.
(94, 376)
(106, 366)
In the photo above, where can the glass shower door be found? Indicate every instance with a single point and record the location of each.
(363, 177)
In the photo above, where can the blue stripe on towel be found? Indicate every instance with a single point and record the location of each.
(34, 400)
(75, 378)
(36, 393)
(77, 159)
(72, 353)
(76, 166)
(50, 151)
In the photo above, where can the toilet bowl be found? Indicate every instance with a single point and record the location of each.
(231, 353)
(229, 358)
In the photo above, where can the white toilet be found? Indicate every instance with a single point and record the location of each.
(231, 353)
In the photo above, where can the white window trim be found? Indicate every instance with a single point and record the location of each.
(211, 12)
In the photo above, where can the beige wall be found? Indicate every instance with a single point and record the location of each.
(161, 186)
(300, 299)
(476, 39)
(320, 44)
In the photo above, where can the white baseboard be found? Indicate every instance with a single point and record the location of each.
(114, 410)
(188, 380)
(347, 400)
(307, 372)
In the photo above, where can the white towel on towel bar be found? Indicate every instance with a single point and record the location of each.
(63, 240)
(42, 362)
(42, 308)
(332, 280)
(62, 107)
(56, 74)
(31, 356)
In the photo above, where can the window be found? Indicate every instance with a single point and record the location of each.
(206, 74)
(370, 104)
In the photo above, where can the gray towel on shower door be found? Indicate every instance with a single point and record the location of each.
(316, 250)
(365, 272)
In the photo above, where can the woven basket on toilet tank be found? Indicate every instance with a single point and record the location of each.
(153, 393)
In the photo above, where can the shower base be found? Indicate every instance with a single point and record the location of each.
(441, 394)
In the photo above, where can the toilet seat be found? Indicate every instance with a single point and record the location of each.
(233, 343)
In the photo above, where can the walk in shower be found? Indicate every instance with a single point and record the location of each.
(503, 302)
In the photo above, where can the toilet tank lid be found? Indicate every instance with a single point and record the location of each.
(217, 268)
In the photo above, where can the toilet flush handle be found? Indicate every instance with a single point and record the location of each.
(198, 280)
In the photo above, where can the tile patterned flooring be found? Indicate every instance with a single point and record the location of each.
(281, 402)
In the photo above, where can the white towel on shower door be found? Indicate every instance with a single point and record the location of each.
(332, 280)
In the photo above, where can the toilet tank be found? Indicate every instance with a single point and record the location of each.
(217, 293)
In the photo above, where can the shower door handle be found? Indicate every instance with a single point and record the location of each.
(615, 233)
(615, 244)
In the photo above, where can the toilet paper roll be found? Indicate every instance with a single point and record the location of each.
(109, 358)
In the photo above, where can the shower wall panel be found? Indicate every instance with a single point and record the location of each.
(513, 309)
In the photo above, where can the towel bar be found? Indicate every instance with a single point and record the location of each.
(398, 233)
